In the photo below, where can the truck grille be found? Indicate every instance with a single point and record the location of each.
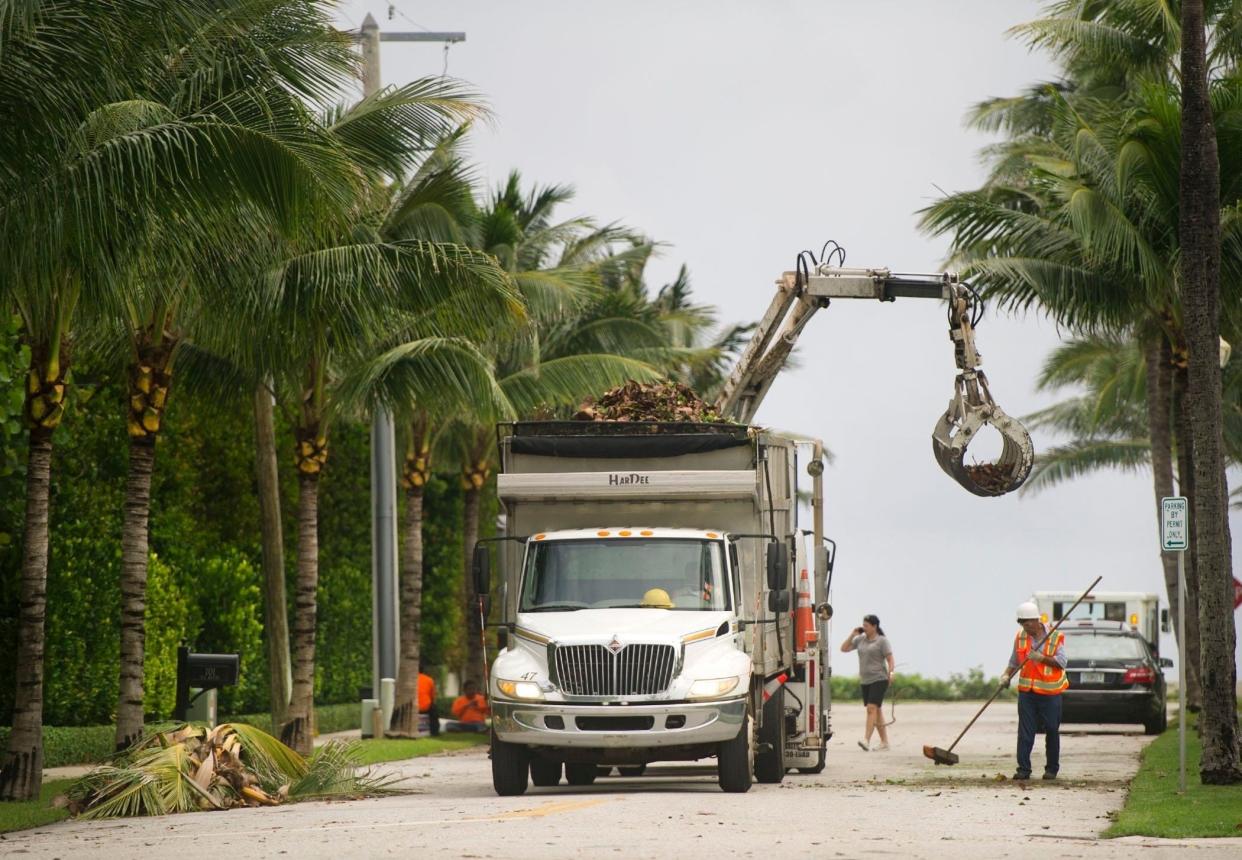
(635, 670)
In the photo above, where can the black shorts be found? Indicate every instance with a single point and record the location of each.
(873, 693)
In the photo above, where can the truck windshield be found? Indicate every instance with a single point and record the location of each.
(679, 574)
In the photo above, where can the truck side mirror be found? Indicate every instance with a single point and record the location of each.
(778, 602)
(778, 566)
(481, 568)
(823, 561)
(502, 639)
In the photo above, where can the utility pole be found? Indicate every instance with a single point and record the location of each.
(385, 638)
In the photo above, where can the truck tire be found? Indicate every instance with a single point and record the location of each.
(544, 773)
(579, 774)
(633, 770)
(734, 761)
(510, 763)
(770, 763)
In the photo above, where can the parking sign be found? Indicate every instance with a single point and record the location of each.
(1173, 523)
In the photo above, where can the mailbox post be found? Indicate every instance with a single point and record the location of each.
(204, 671)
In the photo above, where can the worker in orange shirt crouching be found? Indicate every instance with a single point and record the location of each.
(470, 710)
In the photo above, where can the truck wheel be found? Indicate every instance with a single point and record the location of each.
(510, 763)
(579, 774)
(770, 764)
(734, 761)
(636, 770)
(543, 772)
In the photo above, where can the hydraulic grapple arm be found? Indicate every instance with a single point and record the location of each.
(800, 295)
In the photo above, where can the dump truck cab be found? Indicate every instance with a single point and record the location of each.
(624, 638)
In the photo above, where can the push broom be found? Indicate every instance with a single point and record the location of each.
(943, 756)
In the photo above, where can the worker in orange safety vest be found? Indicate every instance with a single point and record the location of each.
(1041, 680)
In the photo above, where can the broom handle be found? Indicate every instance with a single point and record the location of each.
(1061, 621)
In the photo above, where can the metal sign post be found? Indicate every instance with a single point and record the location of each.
(1174, 534)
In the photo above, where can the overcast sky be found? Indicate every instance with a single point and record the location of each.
(740, 133)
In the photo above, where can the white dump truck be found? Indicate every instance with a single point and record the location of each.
(1136, 609)
(658, 598)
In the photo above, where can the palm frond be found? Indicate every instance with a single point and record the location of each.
(1084, 457)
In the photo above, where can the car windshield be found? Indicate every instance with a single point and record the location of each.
(1093, 646)
(659, 573)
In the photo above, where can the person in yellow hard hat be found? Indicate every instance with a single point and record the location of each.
(1039, 661)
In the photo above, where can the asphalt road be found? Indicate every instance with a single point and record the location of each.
(893, 803)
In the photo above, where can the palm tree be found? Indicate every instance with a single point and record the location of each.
(100, 143)
(557, 266)
(370, 136)
(1080, 217)
(435, 203)
(1200, 234)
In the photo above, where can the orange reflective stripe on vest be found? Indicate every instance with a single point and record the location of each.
(1038, 677)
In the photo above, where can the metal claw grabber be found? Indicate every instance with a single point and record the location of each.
(971, 408)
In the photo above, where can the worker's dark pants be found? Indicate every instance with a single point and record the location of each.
(433, 720)
(1039, 713)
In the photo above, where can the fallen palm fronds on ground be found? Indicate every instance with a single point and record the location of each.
(192, 768)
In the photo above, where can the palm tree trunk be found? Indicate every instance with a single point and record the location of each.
(1199, 234)
(405, 712)
(1186, 485)
(129, 711)
(1159, 361)
(474, 626)
(275, 602)
(149, 382)
(21, 770)
(296, 732)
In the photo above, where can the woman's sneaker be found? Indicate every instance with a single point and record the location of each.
(865, 746)
(882, 748)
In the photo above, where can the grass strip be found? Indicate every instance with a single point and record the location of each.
(1154, 807)
(74, 745)
(25, 814)
(375, 750)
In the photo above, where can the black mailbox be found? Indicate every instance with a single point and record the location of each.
(205, 671)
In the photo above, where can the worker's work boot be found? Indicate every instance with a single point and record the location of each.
(1048, 774)
(1021, 776)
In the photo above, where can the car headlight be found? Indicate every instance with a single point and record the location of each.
(520, 689)
(712, 688)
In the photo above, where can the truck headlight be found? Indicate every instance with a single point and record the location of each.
(520, 689)
(712, 688)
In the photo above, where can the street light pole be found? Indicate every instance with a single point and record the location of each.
(385, 637)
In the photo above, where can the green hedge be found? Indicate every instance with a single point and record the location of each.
(71, 745)
(205, 584)
(972, 685)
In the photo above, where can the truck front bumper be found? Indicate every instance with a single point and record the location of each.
(563, 724)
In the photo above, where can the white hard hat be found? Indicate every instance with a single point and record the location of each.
(1028, 611)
